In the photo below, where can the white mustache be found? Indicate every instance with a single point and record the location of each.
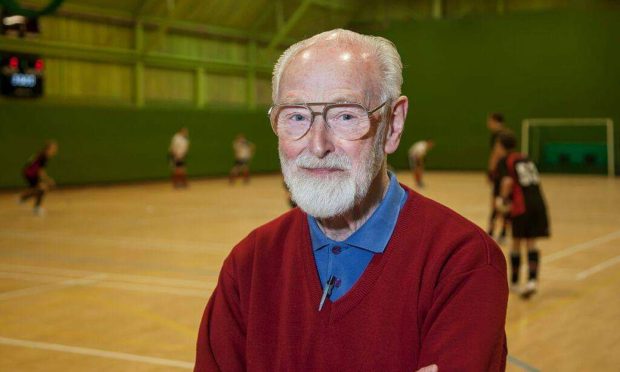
(333, 161)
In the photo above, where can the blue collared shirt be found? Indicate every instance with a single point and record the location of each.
(347, 260)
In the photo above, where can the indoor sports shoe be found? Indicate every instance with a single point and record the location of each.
(530, 288)
(39, 211)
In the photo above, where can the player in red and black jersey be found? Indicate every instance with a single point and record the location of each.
(521, 195)
(495, 124)
(36, 176)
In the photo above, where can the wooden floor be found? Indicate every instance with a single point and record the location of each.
(116, 278)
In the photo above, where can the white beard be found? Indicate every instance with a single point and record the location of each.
(334, 194)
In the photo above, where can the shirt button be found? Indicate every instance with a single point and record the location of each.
(336, 249)
(337, 282)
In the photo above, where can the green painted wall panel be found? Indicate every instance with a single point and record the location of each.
(110, 145)
(557, 64)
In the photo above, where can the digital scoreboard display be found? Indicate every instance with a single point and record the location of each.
(21, 75)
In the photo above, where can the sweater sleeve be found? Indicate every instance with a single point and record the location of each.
(464, 328)
(221, 337)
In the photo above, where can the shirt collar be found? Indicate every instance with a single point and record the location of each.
(375, 233)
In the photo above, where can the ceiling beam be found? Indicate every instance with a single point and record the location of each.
(76, 9)
(279, 12)
(128, 18)
(142, 7)
(290, 23)
(262, 18)
(193, 8)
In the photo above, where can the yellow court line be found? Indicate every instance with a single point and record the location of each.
(58, 285)
(143, 313)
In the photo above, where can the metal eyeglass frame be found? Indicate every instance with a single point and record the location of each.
(326, 106)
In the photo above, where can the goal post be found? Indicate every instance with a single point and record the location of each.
(530, 144)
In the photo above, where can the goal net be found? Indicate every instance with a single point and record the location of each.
(570, 145)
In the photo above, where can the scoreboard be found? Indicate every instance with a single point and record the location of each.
(21, 75)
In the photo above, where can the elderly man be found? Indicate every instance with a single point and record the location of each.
(366, 275)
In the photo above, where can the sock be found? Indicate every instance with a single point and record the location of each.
(39, 197)
(515, 264)
(533, 257)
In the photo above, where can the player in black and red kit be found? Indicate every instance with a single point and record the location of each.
(521, 195)
(36, 176)
(495, 124)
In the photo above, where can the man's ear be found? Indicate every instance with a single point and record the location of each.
(396, 124)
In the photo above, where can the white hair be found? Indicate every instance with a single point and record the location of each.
(387, 58)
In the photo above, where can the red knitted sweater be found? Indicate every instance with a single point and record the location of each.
(437, 294)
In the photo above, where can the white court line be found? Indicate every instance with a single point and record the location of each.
(143, 279)
(148, 288)
(105, 280)
(156, 289)
(50, 287)
(29, 277)
(598, 268)
(96, 353)
(581, 247)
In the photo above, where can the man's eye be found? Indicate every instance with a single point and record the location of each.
(294, 117)
(346, 117)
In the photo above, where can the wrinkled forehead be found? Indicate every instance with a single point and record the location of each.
(323, 68)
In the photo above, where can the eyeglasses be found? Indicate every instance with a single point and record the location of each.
(346, 120)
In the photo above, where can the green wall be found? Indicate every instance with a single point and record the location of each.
(125, 144)
(557, 64)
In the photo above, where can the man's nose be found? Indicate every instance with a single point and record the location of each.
(320, 138)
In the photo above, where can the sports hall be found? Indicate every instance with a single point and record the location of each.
(115, 274)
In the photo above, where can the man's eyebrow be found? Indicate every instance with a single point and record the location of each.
(336, 99)
(345, 99)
